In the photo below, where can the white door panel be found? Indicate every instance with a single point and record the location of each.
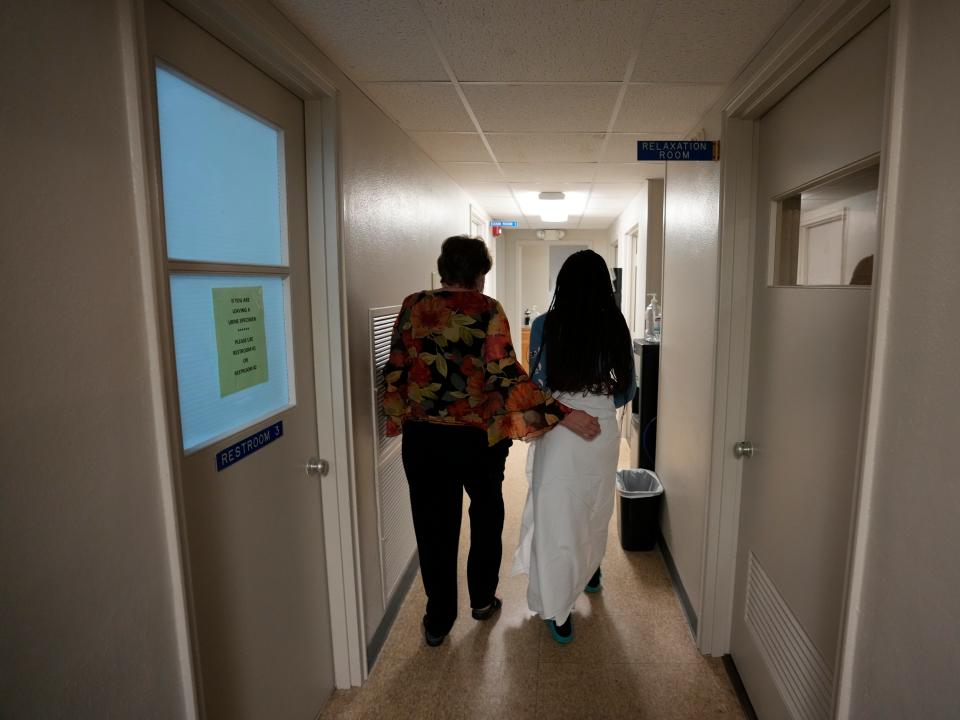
(254, 529)
(806, 380)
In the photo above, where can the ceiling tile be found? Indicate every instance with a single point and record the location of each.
(421, 106)
(368, 40)
(452, 147)
(627, 172)
(665, 108)
(622, 147)
(546, 147)
(542, 108)
(525, 187)
(472, 171)
(538, 40)
(487, 189)
(548, 172)
(706, 41)
(502, 210)
(538, 224)
(619, 192)
(601, 206)
(596, 223)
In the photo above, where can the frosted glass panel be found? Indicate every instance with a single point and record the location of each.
(208, 410)
(222, 178)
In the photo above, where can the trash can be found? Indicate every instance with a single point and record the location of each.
(639, 494)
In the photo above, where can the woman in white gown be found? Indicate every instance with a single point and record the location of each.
(580, 350)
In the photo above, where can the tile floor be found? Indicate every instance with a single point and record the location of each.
(632, 657)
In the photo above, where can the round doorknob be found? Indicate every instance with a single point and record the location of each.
(743, 449)
(317, 466)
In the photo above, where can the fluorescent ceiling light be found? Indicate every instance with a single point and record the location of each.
(553, 207)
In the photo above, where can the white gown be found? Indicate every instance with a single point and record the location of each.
(570, 498)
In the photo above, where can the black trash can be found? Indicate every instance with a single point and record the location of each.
(639, 494)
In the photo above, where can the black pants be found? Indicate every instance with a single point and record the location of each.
(441, 461)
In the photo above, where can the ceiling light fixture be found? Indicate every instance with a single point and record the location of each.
(553, 207)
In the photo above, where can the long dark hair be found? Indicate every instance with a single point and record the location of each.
(585, 337)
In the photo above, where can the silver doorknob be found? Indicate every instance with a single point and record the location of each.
(743, 449)
(316, 466)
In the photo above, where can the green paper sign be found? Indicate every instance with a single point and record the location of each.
(241, 339)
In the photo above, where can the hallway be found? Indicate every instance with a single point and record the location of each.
(633, 656)
(210, 212)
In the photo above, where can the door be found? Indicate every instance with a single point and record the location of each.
(231, 156)
(818, 151)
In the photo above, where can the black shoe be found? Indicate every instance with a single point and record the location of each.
(489, 611)
(432, 640)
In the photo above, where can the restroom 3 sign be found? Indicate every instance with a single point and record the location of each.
(241, 338)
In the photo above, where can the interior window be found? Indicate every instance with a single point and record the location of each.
(826, 235)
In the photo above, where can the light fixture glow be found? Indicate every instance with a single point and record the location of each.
(553, 207)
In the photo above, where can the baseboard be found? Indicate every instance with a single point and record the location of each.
(738, 687)
(393, 608)
(678, 585)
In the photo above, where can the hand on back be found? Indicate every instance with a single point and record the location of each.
(583, 424)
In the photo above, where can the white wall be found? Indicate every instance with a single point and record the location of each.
(88, 627)
(521, 249)
(645, 213)
(534, 277)
(907, 639)
(686, 246)
(687, 355)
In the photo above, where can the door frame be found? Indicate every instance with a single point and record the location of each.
(265, 38)
(809, 38)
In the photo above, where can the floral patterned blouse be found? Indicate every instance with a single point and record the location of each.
(452, 362)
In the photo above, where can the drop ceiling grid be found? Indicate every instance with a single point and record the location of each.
(552, 93)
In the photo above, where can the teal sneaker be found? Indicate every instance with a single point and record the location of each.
(563, 634)
(594, 586)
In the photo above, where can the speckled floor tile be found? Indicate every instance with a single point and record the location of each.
(632, 657)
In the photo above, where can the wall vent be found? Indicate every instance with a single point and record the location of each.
(803, 679)
(394, 522)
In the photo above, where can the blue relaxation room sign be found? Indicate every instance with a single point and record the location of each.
(678, 150)
(249, 445)
(505, 223)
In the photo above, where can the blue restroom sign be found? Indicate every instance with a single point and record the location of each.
(249, 445)
(505, 223)
(678, 150)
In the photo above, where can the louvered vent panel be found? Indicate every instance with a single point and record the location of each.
(381, 327)
(803, 678)
(397, 539)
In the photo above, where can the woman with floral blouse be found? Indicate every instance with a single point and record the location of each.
(456, 391)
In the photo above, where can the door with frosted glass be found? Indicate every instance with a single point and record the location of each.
(230, 143)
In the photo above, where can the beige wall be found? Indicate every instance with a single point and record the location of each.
(88, 626)
(398, 207)
(687, 353)
(907, 651)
